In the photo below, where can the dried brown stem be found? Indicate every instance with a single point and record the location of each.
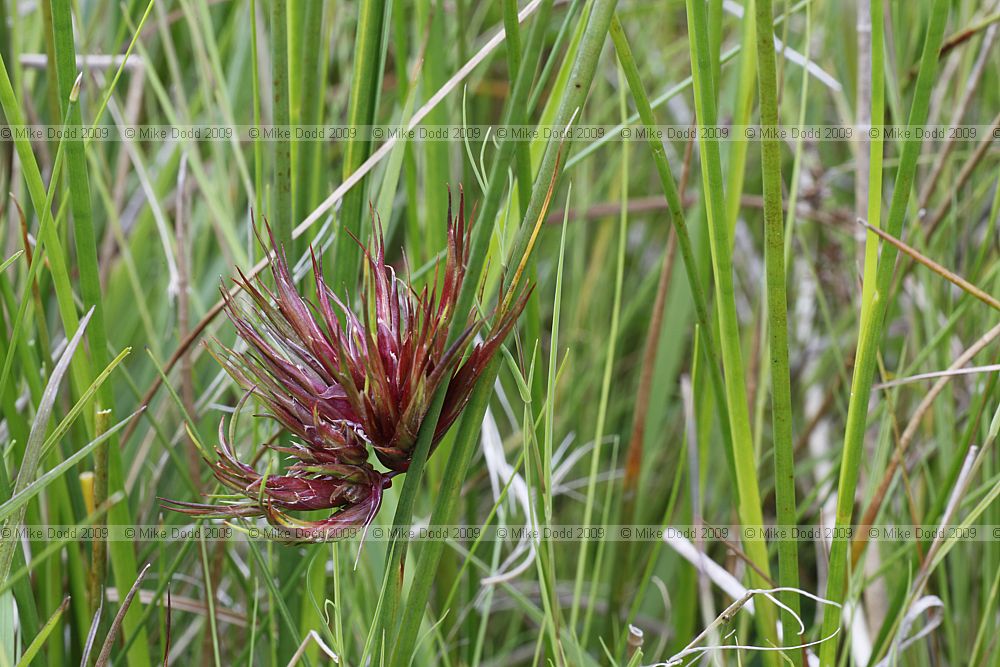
(948, 275)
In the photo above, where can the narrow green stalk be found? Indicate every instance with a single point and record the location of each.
(396, 553)
(793, 194)
(210, 604)
(258, 148)
(550, 63)
(6, 149)
(741, 116)
(749, 506)
(679, 222)
(430, 16)
(406, 91)
(575, 93)
(497, 181)
(615, 330)
(311, 616)
(568, 111)
(338, 602)
(872, 320)
(602, 402)
(466, 438)
(122, 556)
(715, 41)
(98, 563)
(36, 645)
(988, 613)
(365, 81)
(877, 116)
(777, 322)
(281, 200)
(311, 78)
(52, 96)
(546, 550)
(522, 167)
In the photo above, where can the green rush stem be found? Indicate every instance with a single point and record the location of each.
(281, 201)
(602, 403)
(338, 601)
(311, 78)
(522, 168)
(6, 148)
(98, 564)
(749, 509)
(365, 81)
(546, 551)
(52, 96)
(210, 604)
(795, 185)
(741, 116)
(497, 181)
(400, 41)
(872, 320)
(466, 439)
(777, 311)
(550, 63)
(523, 163)
(396, 554)
(431, 18)
(715, 40)
(258, 148)
(875, 160)
(570, 106)
(122, 556)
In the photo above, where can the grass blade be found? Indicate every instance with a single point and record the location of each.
(36, 644)
(36, 441)
(10, 260)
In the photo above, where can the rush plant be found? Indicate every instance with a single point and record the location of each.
(712, 346)
(345, 382)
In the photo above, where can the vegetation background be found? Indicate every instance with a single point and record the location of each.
(712, 339)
